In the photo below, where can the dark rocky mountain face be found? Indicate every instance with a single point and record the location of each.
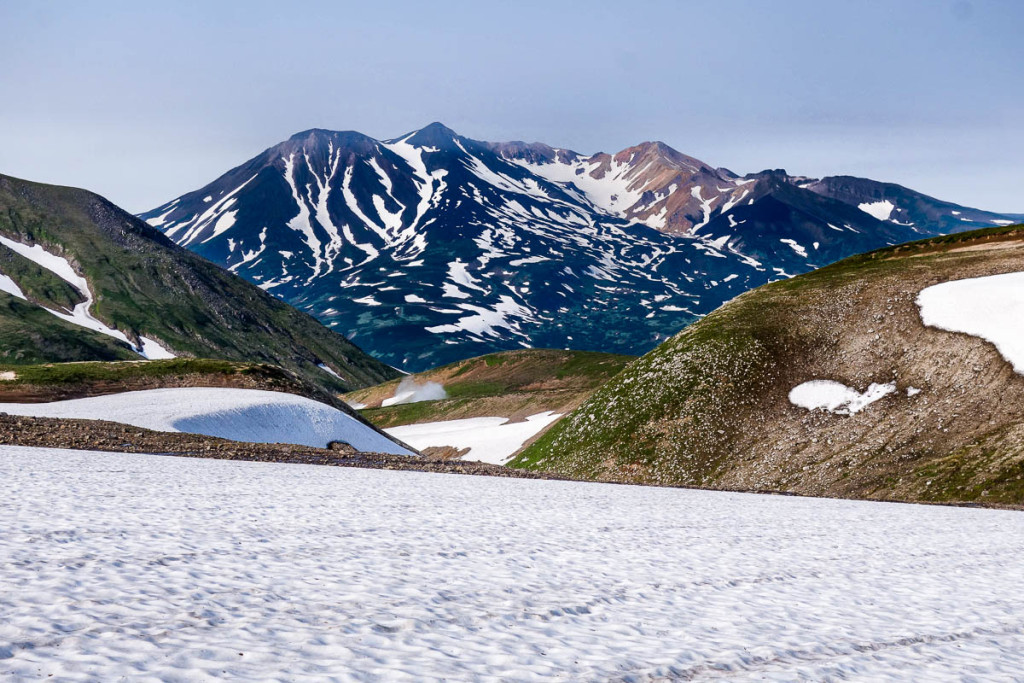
(433, 247)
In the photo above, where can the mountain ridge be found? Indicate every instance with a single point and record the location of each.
(433, 247)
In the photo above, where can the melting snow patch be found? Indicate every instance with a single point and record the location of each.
(237, 414)
(410, 391)
(10, 286)
(990, 307)
(328, 370)
(836, 397)
(880, 210)
(795, 247)
(489, 439)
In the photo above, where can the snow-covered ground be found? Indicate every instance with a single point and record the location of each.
(989, 307)
(136, 567)
(489, 439)
(237, 414)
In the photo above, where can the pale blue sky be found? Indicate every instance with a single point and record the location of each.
(144, 101)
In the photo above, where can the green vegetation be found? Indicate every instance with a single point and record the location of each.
(31, 335)
(511, 384)
(57, 381)
(92, 371)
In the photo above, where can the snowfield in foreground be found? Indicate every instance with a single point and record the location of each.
(236, 414)
(150, 567)
(489, 439)
(990, 307)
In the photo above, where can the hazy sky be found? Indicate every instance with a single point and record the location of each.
(144, 101)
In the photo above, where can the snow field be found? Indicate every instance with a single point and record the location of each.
(236, 414)
(489, 439)
(161, 568)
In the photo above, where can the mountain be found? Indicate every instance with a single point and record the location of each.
(433, 247)
(841, 382)
(80, 279)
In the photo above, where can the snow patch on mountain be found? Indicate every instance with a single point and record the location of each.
(411, 391)
(990, 307)
(881, 210)
(836, 397)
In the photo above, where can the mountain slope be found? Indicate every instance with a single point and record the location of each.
(511, 384)
(939, 417)
(434, 247)
(113, 288)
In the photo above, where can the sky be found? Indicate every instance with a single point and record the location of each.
(142, 102)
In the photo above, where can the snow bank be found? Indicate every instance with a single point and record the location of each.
(236, 414)
(128, 567)
(836, 397)
(410, 391)
(989, 307)
(489, 439)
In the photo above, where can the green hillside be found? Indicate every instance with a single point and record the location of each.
(144, 285)
(710, 408)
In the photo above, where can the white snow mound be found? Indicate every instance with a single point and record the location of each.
(836, 397)
(990, 307)
(236, 414)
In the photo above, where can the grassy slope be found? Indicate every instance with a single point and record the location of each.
(144, 284)
(512, 384)
(60, 381)
(710, 406)
(31, 335)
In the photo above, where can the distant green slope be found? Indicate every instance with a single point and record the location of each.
(513, 384)
(710, 406)
(145, 285)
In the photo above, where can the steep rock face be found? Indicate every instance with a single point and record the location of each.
(937, 415)
(433, 247)
(79, 264)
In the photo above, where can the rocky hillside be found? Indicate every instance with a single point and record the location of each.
(80, 279)
(897, 409)
(434, 247)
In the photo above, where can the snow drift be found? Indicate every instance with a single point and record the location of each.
(236, 414)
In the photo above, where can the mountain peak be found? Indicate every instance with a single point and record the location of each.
(435, 134)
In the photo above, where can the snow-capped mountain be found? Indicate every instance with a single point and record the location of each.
(433, 247)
